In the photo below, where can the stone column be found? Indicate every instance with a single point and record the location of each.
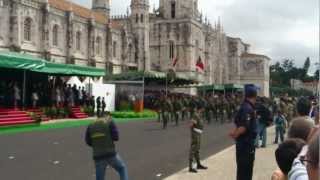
(69, 48)
(91, 42)
(45, 30)
(15, 22)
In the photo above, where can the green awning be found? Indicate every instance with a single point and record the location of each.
(27, 62)
(20, 61)
(150, 76)
(136, 75)
(211, 87)
(233, 86)
(70, 70)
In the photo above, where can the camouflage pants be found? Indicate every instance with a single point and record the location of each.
(208, 116)
(166, 118)
(184, 115)
(160, 116)
(177, 116)
(195, 147)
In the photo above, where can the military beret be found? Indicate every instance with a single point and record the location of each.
(250, 90)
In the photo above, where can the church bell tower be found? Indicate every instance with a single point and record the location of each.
(101, 6)
(140, 23)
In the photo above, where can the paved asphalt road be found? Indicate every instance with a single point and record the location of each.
(62, 154)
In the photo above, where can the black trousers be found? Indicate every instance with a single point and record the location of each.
(245, 161)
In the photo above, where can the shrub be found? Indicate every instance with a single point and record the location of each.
(35, 117)
(88, 110)
(131, 114)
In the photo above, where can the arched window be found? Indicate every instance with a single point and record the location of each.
(114, 49)
(197, 49)
(130, 53)
(142, 18)
(137, 18)
(99, 45)
(173, 9)
(27, 29)
(171, 49)
(55, 34)
(78, 40)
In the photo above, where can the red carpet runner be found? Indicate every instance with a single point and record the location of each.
(76, 113)
(14, 117)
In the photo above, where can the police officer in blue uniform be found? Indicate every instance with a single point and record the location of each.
(245, 133)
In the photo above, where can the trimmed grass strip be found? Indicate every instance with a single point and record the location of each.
(57, 125)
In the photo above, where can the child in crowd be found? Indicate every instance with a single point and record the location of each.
(280, 124)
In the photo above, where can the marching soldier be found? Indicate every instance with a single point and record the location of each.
(185, 105)
(196, 131)
(166, 110)
(159, 106)
(177, 106)
(228, 109)
(192, 105)
(215, 108)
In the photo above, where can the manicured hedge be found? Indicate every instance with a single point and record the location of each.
(132, 114)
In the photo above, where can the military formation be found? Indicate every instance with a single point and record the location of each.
(218, 108)
(180, 107)
(286, 105)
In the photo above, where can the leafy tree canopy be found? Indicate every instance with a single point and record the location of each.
(282, 72)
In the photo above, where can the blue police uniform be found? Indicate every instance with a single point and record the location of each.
(245, 143)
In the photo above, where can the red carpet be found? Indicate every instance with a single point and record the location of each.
(14, 117)
(76, 113)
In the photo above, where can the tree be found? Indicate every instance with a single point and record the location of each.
(287, 65)
(282, 72)
(306, 65)
(304, 71)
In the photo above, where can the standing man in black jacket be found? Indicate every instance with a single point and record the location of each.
(101, 135)
(264, 119)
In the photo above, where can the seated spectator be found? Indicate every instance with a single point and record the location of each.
(312, 158)
(285, 154)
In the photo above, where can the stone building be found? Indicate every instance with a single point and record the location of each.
(174, 36)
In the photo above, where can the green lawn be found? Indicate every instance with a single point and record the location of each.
(57, 125)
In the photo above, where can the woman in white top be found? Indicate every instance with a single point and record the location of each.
(58, 96)
(17, 96)
(35, 97)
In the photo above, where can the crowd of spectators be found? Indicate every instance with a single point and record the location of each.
(44, 94)
(298, 156)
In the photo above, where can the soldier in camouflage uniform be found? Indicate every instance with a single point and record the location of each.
(171, 109)
(228, 109)
(166, 110)
(159, 106)
(215, 108)
(291, 108)
(196, 131)
(210, 109)
(192, 105)
(185, 108)
(206, 105)
(177, 107)
(284, 107)
(223, 110)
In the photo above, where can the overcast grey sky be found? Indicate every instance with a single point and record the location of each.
(277, 28)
